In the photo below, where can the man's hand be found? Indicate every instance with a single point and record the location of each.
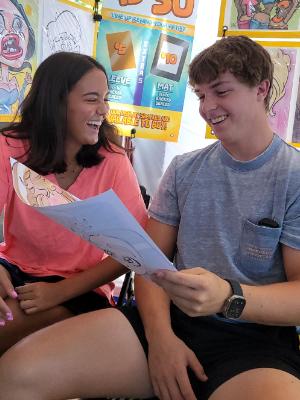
(168, 359)
(39, 296)
(196, 291)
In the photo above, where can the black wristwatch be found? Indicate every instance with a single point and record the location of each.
(235, 304)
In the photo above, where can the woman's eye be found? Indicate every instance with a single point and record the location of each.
(2, 23)
(17, 24)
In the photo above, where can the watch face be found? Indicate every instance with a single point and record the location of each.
(234, 306)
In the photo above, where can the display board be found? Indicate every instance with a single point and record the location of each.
(145, 48)
(261, 18)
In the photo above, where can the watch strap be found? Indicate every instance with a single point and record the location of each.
(235, 286)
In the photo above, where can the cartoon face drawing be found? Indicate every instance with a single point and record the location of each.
(14, 35)
(17, 44)
(36, 190)
(64, 33)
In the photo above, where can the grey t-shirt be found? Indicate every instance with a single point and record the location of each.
(217, 202)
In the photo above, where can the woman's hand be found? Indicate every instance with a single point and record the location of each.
(168, 359)
(6, 290)
(39, 296)
(196, 291)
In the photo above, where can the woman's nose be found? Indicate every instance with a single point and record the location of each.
(103, 109)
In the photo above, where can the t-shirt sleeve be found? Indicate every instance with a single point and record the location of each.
(4, 181)
(127, 188)
(290, 234)
(164, 206)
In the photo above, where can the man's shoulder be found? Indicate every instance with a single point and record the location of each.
(193, 159)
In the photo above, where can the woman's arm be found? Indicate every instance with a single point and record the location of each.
(41, 296)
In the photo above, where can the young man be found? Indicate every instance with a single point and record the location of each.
(229, 217)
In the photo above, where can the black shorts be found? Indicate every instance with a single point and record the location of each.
(227, 348)
(90, 301)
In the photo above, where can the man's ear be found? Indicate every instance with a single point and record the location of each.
(263, 89)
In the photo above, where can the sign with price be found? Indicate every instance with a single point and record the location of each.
(145, 47)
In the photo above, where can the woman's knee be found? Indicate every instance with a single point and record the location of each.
(17, 375)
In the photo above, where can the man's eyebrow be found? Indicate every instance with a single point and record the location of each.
(213, 85)
(218, 83)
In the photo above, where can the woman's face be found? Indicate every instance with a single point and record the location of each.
(86, 109)
(14, 35)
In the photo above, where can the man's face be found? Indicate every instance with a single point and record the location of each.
(14, 35)
(229, 106)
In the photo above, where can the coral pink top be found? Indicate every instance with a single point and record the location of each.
(40, 246)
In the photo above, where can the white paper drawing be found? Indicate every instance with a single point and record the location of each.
(102, 220)
(67, 28)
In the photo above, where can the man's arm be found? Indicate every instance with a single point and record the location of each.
(168, 356)
(199, 292)
(278, 303)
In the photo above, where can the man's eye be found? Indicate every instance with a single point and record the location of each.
(222, 92)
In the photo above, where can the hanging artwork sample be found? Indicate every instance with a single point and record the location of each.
(283, 113)
(18, 61)
(67, 26)
(145, 48)
(260, 18)
(296, 127)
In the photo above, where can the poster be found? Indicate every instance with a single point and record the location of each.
(67, 26)
(18, 57)
(296, 126)
(145, 47)
(260, 18)
(283, 114)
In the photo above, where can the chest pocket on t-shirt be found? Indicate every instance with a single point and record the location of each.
(257, 249)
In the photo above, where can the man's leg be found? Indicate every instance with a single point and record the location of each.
(259, 384)
(94, 354)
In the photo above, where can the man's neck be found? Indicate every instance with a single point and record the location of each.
(256, 144)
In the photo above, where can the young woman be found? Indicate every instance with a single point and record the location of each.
(63, 134)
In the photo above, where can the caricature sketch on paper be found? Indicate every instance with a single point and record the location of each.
(64, 33)
(265, 14)
(281, 90)
(67, 28)
(109, 242)
(296, 128)
(102, 220)
(35, 190)
(282, 63)
(17, 46)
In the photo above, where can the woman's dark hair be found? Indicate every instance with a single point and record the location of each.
(44, 115)
(31, 39)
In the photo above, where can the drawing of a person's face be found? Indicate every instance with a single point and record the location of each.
(14, 35)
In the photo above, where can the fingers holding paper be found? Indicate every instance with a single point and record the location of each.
(196, 291)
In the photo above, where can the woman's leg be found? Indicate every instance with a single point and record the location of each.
(259, 384)
(94, 354)
(23, 324)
